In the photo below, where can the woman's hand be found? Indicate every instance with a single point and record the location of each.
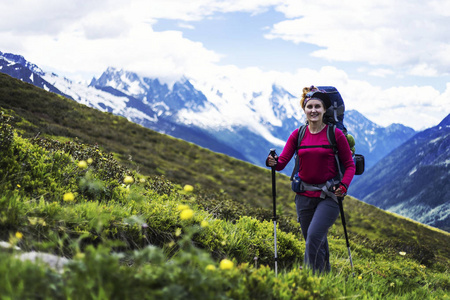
(341, 190)
(271, 161)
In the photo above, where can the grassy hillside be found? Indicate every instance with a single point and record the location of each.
(39, 113)
(93, 214)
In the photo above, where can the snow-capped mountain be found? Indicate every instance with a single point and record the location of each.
(228, 117)
(240, 120)
(150, 92)
(17, 67)
(413, 180)
(110, 100)
(251, 122)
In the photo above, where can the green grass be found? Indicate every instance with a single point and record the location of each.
(129, 241)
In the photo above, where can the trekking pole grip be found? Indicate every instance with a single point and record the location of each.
(273, 152)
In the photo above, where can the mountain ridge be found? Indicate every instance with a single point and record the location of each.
(224, 116)
(413, 179)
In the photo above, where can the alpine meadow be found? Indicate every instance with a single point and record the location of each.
(93, 206)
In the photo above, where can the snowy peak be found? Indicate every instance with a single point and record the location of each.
(20, 60)
(285, 105)
(126, 82)
(151, 91)
(17, 67)
(185, 95)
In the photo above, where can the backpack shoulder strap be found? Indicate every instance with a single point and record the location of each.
(331, 135)
(301, 134)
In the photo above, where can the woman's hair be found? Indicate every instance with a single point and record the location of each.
(306, 90)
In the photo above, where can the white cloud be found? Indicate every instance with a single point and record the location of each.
(88, 37)
(142, 50)
(50, 17)
(418, 107)
(381, 72)
(186, 25)
(423, 70)
(105, 25)
(195, 10)
(399, 34)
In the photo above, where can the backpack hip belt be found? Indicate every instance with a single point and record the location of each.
(325, 188)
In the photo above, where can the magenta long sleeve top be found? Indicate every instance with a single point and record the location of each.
(318, 165)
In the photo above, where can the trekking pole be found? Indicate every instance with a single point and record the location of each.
(274, 195)
(341, 208)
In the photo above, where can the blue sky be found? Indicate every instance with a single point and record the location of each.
(240, 38)
(389, 59)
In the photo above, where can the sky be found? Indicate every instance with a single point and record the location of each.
(390, 59)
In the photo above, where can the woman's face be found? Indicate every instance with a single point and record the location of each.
(314, 110)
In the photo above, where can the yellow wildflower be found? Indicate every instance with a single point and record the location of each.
(182, 207)
(178, 231)
(19, 235)
(204, 223)
(210, 267)
(187, 214)
(402, 253)
(188, 188)
(68, 197)
(82, 164)
(128, 180)
(90, 160)
(226, 264)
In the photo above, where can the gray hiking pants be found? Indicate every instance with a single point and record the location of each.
(316, 216)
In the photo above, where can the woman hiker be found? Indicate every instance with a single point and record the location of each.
(317, 211)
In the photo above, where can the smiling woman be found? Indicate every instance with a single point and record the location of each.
(323, 186)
